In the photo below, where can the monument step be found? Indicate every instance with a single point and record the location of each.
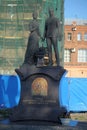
(38, 125)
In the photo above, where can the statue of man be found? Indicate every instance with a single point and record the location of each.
(51, 33)
(33, 41)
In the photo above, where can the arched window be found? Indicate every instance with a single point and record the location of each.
(85, 36)
(79, 37)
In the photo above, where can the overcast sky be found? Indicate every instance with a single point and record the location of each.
(75, 9)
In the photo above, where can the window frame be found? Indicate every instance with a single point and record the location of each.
(67, 55)
(85, 36)
(79, 36)
(82, 55)
(69, 36)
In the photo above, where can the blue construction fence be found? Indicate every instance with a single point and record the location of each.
(9, 91)
(72, 92)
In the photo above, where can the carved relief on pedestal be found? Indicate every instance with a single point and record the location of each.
(40, 87)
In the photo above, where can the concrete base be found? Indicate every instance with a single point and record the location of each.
(33, 125)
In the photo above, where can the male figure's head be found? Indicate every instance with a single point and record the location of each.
(51, 12)
(34, 14)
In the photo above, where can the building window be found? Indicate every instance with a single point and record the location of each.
(85, 36)
(67, 55)
(69, 38)
(79, 37)
(82, 55)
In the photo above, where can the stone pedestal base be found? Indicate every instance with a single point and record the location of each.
(39, 94)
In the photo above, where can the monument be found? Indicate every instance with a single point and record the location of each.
(39, 99)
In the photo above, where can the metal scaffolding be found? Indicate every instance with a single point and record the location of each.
(15, 16)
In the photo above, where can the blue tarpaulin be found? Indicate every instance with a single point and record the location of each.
(72, 92)
(9, 91)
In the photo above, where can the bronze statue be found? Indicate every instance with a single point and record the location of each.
(52, 33)
(40, 85)
(33, 41)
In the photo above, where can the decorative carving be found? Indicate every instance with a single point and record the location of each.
(40, 87)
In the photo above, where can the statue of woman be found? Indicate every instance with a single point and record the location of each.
(33, 41)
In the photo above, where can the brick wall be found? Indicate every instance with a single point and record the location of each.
(75, 68)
